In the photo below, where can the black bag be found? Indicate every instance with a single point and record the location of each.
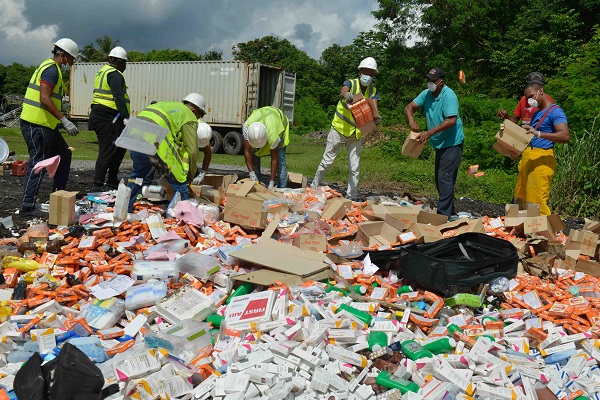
(29, 383)
(452, 265)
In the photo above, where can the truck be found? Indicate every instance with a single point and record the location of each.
(233, 89)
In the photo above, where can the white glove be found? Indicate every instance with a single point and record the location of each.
(349, 97)
(125, 121)
(198, 179)
(253, 176)
(271, 185)
(69, 126)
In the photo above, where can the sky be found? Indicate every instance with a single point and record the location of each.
(28, 27)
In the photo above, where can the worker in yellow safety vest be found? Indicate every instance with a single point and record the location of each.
(40, 116)
(344, 131)
(108, 117)
(267, 132)
(177, 154)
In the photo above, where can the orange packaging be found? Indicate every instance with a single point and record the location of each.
(479, 174)
(11, 277)
(121, 347)
(537, 334)
(37, 300)
(29, 325)
(494, 325)
(110, 333)
(560, 310)
(474, 330)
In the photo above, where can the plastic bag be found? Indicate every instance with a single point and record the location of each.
(171, 208)
(35, 231)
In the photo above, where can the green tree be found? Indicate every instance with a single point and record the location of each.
(105, 45)
(17, 78)
(136, 56)
(213, 56)
(172, 55)
(89, 54)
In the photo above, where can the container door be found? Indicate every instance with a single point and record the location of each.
(288, 93)
(252, 90)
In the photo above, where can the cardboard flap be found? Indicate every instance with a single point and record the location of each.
(268, 277)
(241, 188)
(219, 181)
(296, 180)
(434, 219)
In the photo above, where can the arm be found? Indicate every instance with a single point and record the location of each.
(248, 155)
(447, 123)
(190, 142)
(117, 87)
(207, 157)
(502, 113)
(345, 89)
(46, 100)
(561, 134)
(409, 111)
(274, 162)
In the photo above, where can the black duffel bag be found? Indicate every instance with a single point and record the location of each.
(452, 265)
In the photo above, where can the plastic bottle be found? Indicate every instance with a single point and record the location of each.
(499, 285)
(331, 288)
(414, 350)
(404, 289)
(363, 316)
(360, 289)
(390, 381)
(377, 340)
(442, 345)
(215, 319)
(452, 328)
(244, 288)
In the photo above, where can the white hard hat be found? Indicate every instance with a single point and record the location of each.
(197, 100)
(204, 134)
(118, 52)
(368, 62)
(69, 46)
(257, 134)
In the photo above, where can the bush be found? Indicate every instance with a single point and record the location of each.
(309, 116)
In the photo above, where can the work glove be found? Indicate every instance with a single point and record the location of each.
(198, 179)
(271, 185)
(377, 120)
(253, 176)
(69, 126)
(349, 97)
(125, 121)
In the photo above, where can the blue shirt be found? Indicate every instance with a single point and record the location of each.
(555, 116)
(437, 109)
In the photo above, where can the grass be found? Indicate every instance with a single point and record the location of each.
(379, 170)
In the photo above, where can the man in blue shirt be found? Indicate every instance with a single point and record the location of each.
(537, 166)
(445, 134)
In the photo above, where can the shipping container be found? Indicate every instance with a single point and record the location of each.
(233, 89)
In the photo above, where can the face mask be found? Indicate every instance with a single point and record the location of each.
(431, 86)
(366, 80)
(533, 102)
(65, 67)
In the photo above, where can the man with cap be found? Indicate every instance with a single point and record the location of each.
(177, 154)
(524, 111)
(267, 132)
(109, 114)
(445, 134)
(40, 116)
(344, 131)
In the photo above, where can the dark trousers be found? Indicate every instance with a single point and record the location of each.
(109, 156)
(43, 143)
(447, 161)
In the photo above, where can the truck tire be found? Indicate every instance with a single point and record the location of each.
(216, 142)
(233, 143)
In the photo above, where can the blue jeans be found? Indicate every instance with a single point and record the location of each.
(43, 143)
(143, 168)
(447, 161)
(281, 169)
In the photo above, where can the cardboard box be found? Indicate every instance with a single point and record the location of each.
(592, 226)
(586, 241)
(411, 148)
(219, 181)
(363, 114)
(214, 195)
(454, 224)
(513, 211)
(246, 212)
(589, 267)
(62, 208)
(296, 180)
(379, 233)
(426, 233)
(544, 226)
(511, 139)
(434, 219)
(241, 188)
(473, 226)
(335, 209)
(311, 241)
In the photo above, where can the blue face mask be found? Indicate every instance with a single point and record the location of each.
(366, 80)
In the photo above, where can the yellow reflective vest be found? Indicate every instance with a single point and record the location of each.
(102, 93)
(173, 116)
(33, 111)
(343, 121)
(278, 126)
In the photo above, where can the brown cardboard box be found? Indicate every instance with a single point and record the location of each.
(512, 140)
(589, 267)
(567, 263)
(379, 233)
(513, 211)
(586, 241)
(311, 241)
(214, 195)
(426, 233)
(411, 148)
(62, 208)
(453, 224)
(473, 226)
(219, 181)
(335, 209)
(249, 213)
(296, 180)
(434, 219)
(592, 226)
(362, 111)
(544, 226)
(241, 188)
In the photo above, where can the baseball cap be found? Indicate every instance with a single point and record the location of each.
(435, 74)
(535, 77)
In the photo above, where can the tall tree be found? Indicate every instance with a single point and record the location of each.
(89, 54)
(17, 78)
(213, 56)
(105, 45)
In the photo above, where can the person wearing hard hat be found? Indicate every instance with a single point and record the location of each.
(343, 130)
(178, 152)
(40, 116)
(267, 132)
(108, 117)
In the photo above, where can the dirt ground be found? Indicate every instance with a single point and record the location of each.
(11, 192)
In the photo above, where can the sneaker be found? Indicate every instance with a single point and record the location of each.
(32, 212)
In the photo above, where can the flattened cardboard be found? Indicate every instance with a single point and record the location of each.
(62, 208)
(589, 267)
(513, 211)
(311, 241)
(335, 209)
(473, 226)
(512, 140)
(454, 224)
(268, 277)
(544, 226)
(411, 147)
(241, 188)
(592, 226)
(248, 213)
(425, 217)
(426, 233)
(296, 180)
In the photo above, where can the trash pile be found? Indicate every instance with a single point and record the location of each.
(245, 293)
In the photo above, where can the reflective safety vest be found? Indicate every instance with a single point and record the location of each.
(102, 93)
(171, 115)
(33, 111)
(343, 121)
(278, 126)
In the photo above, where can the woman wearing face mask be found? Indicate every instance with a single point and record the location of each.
(445, 134)
(39, 119)
(343, 127)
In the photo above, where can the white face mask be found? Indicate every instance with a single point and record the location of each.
(65, 67)
(533, 102)
(431, 86)
(366, 80)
